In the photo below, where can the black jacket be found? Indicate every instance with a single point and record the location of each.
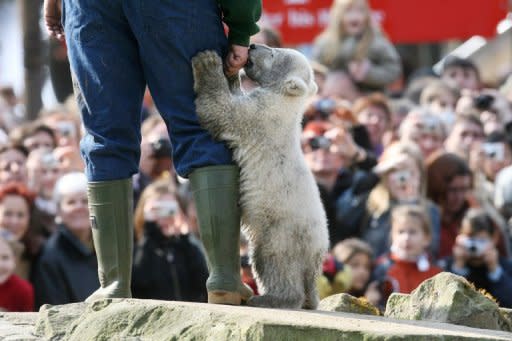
(66, 272)
(168, 268)
(345, 204)
(500, 287)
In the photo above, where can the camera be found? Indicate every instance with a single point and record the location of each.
(431, 124)
(483, 102)
(66, 128)
(400, 176)
(318, 142)
(325, 106)
(161, 148)
(164, 209)
(49, 161)
(494, 151)
(475, 247)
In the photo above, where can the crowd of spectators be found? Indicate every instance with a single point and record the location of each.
(414, 182)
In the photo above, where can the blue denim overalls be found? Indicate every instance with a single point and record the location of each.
(115, 48)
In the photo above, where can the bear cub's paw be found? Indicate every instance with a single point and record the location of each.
(206, 62)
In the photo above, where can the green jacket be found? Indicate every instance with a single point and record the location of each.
(241, 17)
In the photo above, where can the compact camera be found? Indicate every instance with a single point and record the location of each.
(49, 161)
(475, 247)
(161, 148)
(161, 209)
(400, 176)
(494, 151)
(430, 124)
(318, 142)
(483, 102)
(66, 128)
(325, 106)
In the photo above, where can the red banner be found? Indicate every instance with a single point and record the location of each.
(404, 21)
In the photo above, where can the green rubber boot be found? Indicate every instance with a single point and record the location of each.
(111, 211)
(216, 193)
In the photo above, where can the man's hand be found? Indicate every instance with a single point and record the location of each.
(52, 18)
(236, 59)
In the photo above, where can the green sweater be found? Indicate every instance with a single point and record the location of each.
(241, 17)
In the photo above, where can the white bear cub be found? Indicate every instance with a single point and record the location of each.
(282, 214)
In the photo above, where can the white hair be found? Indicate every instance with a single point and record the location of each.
(74, 182)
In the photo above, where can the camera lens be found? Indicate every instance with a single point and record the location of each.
(318, 142)
(161, 148)
(483, 102)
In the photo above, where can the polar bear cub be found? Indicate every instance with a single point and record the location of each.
(282, 214)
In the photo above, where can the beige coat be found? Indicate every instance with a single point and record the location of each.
(385, 61)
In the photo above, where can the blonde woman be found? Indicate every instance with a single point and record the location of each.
(402, 181)
(351, 42)
(168, 261)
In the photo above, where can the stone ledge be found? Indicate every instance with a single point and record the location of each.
(18, 326)
(159, 320)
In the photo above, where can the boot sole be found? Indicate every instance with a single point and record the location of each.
(224, 297)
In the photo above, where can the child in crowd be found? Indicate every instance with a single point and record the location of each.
(357, 255)
(351, 42)
(335, 277)
(16, 294)
(476, 257)
(408, 263)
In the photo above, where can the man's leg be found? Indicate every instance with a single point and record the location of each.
(170, 34)
(109, 86)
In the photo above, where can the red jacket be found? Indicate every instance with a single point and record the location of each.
(405, 275)
(16, 295)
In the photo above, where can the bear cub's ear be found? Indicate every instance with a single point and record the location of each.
(295, 86)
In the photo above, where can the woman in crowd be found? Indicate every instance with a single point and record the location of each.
(16, 204)
(43, 172)
(334, 158)
(168, 263)
(352, 42)
(425, 129)
(402, 180)
(449, 185)
(66, 271)
(374, 113)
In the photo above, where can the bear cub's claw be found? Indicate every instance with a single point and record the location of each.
(206, 61)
